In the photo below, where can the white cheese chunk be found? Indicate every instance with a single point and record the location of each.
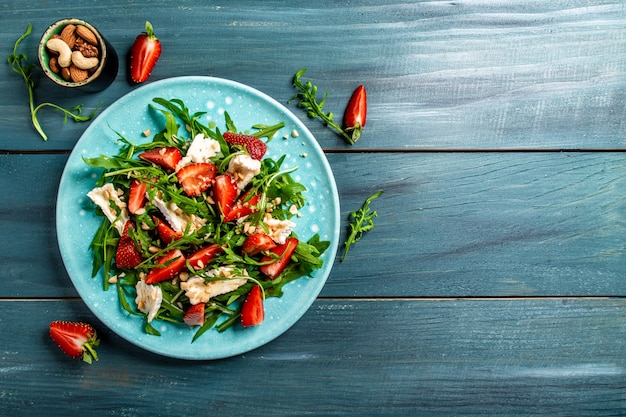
(176, 217)
(243, 169)
(149, 299)
(199, 291)
(202, 149)
(103, 197)
(278, 230)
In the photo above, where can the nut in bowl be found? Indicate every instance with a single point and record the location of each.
(72, 53)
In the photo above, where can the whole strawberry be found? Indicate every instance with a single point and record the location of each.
(355, 114)
(255, 147)
(144, 55)
(76, 339)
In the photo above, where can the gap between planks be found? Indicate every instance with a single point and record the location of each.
(379, 150)
(383, 298)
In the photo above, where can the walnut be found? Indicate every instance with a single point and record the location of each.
(88, 50)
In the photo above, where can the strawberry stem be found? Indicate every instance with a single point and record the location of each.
(89, 348)
(150, 31)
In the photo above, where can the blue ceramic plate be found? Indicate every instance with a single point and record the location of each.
(130, 116)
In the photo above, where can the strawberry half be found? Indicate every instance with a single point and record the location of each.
(173, 262)
(166, 233)
(356, 113)
(225, 193)
(194, 316)
(76, 339)
(252, 312)
(284, 253)
(166, 157)
(127, 255)
(257, 243)
(255, 147)
(201, 258)
(136, 196)
(242, 208)
(144, 55)
(196, 178)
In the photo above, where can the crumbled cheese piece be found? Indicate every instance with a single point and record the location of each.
(294, 133)
(149, 299)
(103, 197)
(278, 230)
(199, 291)
(243, 169)
(202, 149)
(176, 217)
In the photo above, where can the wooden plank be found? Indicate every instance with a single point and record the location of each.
(344, 357)
(448, 225)
(479, 224)
(440, 75)
(30, 257)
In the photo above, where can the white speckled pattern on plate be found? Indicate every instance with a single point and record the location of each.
(130, 116)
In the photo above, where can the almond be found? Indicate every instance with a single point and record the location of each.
(65, 73)
(77, 75)
(54, 65)
(68, 35)
(85, 33)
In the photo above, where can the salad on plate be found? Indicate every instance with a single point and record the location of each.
(197, 228)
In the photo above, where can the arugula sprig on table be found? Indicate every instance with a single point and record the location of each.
(20, 65)
(361, 221)
(307, 99)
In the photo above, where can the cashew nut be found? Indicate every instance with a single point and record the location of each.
(63, 49)
(82, 62)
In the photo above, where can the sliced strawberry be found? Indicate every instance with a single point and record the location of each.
(284, 252)
(144, 55)
(255, 147)
(166, 233)
(136, 196)
(355, 114)
(196, 178)
(127, 255)
(166, 157)
(194, 316)
(173, 262)
(252, 312)
(257, 243)
(225, 193)
(242, 208)
(76, 339)
(201, 258)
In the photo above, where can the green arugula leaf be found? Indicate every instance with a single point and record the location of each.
(307, 99)
(265, 131)
(362, 220)
(20, 65)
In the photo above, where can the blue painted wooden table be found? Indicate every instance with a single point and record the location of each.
(493, 282)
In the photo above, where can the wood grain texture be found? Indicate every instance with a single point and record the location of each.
(440, 74)
(448, 225)
(431, 358)
(493, 282)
